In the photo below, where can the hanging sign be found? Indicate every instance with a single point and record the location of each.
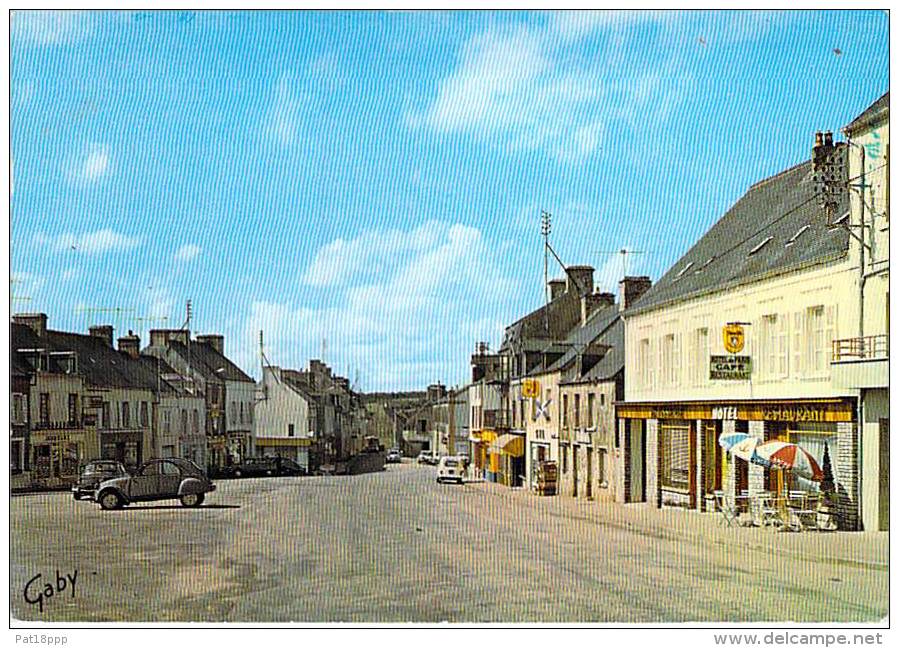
(733, 338)
(730, 367)
(530, 389)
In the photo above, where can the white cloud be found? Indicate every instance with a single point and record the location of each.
(104, 240)
(188, 252)
(530, 88)
(90, 164)
(285, 111)
(405, 326)
(42, 28)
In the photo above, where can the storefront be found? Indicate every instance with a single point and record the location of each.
(506, 453)
(685, 463)
(296, 449)
(124, 447)
(56, 457)
(486, 463)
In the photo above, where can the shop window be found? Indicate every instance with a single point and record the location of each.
(674, 448)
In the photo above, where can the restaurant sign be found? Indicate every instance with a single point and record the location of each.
(730, 367)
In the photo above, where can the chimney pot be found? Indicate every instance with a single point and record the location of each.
(103, 332)
(37, 322)
(580, 280)
(630, 289)
(828, 139)
(130, 344)
(819, 138)
(556, 288)
(214, 340)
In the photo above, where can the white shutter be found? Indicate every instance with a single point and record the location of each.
(798, 340)
(693, 358)
(830, 331)
(782, 345)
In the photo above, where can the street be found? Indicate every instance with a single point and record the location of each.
(397, 547)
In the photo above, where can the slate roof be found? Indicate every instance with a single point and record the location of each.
(613, 361)
(208, 361)
(877, 111)
(778, 207)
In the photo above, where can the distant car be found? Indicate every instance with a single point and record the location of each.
(253, 467)
(394, 456)
(157, 479)
(93, 473)
(288, 468)
(426, 457)
(450, 469)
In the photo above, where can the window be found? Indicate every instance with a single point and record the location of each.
(591, 402)
(241, 413)
(249, 412)
(170, 469)
(105, 423)
(514, 418)
(233, 412)
(196, 422)
(73, 410)
(602, 400)
(819, 333)
(521, 411)
(44, 408)
(670, 358)
(16, 456)
(797, 235)
(126, 415)
(684, 271)
(17, 409)
(167, 422)
(577, 410)
(760, 246)
(768, 352)
(183, 421)
(565, 411)
(144, 414)
(290, 429)
(674, 447)
(601, 467)
(564, 459)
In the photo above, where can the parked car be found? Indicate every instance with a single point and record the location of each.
(426, 457)
(252, 467)
(450, 469)
(394, 456)
(157, 479)
(288, 467)
(93, 473)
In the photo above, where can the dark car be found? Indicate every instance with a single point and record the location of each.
(289, 467)
(157, 479)
(93, 473)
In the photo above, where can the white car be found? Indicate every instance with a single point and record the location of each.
(450, 469)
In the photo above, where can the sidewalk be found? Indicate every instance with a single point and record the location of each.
(868, 550)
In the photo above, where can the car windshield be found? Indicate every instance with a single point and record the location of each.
(450, 462)
(92, 469)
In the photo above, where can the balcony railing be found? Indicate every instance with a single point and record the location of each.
(870, 347)
(494, 419)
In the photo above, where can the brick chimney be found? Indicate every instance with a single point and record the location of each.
(130, 344)
(104, 332)
(823, 147)
(214, 340)
(37, 322)
(592, 303)
(556, 288)
(580, 280)
(630, 289)
(162, 337)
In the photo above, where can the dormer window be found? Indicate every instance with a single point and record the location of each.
(684, 270)
(706, 264)
(760, 246)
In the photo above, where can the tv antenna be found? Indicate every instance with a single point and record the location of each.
(624, 253)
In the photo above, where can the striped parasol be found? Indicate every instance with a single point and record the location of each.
(740, 445)
(789, 456)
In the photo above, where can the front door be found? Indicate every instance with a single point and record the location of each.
(169, 479)
(144, 484)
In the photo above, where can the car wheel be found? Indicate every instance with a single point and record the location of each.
(110, 501)
(268, 473)
(77, 496)
(192, 499)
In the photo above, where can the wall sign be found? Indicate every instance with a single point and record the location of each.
(730, 367)
(530, 389)
(734, 338)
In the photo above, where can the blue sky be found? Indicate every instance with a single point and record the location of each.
(372, 182)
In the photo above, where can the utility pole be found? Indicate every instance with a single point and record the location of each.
(545, 229)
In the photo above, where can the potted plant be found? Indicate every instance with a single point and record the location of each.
(827, 505)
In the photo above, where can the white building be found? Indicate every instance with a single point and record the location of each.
(285, 415)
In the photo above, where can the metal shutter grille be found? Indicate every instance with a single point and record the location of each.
(675, 455)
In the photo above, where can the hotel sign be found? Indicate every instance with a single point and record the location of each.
(734, 338)
(530, 389)
(730, 367)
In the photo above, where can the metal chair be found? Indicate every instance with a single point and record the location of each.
(728, 514)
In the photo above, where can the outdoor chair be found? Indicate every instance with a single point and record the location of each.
(728, 514)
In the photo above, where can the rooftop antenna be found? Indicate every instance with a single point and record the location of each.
(12, 296)
(624, 253)
(139, 321)
(324, 348)
(118, 312)
(545, 228)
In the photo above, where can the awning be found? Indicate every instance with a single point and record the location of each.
(510, 444)
(474, 438)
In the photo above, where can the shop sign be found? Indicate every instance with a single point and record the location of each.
(795, 413)
(725, 413)
(734, 338)
(530, 389)
(730, 367)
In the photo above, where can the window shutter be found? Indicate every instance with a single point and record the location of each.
(830, 331)
(798, 334)
(782, 346)
(693, 359)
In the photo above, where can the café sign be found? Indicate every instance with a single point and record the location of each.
(730, 367)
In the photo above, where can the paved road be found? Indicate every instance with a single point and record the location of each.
(397, 547)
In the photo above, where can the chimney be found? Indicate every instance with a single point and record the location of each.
(630, 289)
(556, 288)
(103, 332)
(592, 303)
(436, 392)
(162, 337)
(580, 280)
(828, 139)
(823, 147)
(37, 322)
(129, 344)
(214, 340)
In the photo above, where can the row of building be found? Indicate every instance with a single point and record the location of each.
(78, 397)
(775, 323)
